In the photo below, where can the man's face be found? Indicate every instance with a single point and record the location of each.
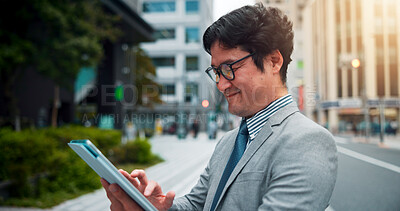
(251, 90)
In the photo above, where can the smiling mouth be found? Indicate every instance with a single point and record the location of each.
(231, 94)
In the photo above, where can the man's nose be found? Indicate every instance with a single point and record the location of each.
(223, 84)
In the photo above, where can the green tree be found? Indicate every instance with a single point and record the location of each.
(145, 73)
(57, 38)
(15, 53)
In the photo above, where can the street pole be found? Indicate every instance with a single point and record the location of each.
(381, 121)
(181, 130)
(366, 115)
(365, 110)
(355, 63)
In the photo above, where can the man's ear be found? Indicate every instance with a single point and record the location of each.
(277, 60)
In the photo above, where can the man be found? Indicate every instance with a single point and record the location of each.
(278, 159)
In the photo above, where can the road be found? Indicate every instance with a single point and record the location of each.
(368, 178)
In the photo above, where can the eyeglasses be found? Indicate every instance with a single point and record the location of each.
(224, 69)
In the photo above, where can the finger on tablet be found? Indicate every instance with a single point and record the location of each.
(141, 175)
(130, 178)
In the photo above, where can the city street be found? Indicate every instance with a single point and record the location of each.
(368, 178)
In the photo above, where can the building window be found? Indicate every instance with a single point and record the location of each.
(192, 6)
(163, 34)
(192, 35)
(159, 6)
(191, 92)
(168, 89)
(192, 63)
(164, 61)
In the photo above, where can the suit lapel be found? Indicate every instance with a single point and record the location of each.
(264, 134)
(226, 149)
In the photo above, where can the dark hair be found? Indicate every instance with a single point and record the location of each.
(255, 29)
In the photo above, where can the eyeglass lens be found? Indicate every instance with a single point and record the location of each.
(225, 70)
(213, 74)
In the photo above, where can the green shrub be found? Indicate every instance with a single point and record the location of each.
(23, 156)
(39, 162)
(138, 152)
(44, 171)
(103, 139)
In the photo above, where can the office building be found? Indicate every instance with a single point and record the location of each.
(180, 60)
(352, 63)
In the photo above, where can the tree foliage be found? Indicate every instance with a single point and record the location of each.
(62, 35)
(57, 38)
(145, 72)
(69, 37)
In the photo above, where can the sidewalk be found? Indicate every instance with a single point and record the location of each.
(391, 142)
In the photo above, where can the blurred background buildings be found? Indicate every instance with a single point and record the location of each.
(343, 96)
(329, 35)
(180, 60)
(105, 95)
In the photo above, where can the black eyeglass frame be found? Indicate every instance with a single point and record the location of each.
(219, 71)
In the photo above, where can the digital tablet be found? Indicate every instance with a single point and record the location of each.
(105, 169)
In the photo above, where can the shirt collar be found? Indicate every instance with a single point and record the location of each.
(256, 122)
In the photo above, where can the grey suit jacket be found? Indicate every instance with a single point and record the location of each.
(290, 165)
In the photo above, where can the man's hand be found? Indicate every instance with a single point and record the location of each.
(150, 189)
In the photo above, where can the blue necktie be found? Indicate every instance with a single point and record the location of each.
(238, 150)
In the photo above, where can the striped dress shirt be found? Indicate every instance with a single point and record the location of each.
(256, 122)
